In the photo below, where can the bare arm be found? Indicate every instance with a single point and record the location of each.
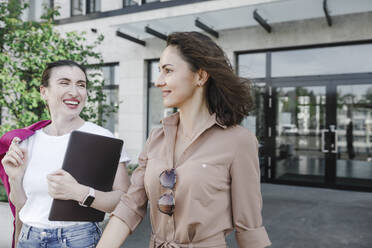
(17, 194)
(63, 186)
(107, 201)
(116, 232)
(18, 197)
(14, 163)
(18, 227)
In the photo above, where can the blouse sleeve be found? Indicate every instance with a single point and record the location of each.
(246, 194)
(133, 204)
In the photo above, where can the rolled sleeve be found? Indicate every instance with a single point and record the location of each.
(132, 216)
(133, 205)
(246, 194)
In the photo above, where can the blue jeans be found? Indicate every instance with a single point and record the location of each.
(76, 236)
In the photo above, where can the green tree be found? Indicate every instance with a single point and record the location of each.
(25, 48)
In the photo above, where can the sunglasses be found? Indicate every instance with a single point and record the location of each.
(166, 203)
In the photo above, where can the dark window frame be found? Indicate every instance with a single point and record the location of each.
(72, 8)
(148, 63)
(145, 1)
(88, 5)
(306, 80)
(129, 3)
(113, 85)
(124, 11)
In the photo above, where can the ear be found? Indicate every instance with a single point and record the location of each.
(43, 91)
(203, 77)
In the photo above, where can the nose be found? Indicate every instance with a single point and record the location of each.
(73, 90)
(160, 82)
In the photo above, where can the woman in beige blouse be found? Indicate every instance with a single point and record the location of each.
(200, 171)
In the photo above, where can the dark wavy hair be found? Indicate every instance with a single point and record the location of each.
(48, 69)
(228, 95)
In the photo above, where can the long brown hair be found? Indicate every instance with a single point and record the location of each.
(228, 95)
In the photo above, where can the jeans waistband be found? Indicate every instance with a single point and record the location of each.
(57, 231)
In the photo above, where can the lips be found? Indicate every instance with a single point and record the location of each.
(71, 103)
(166, 92)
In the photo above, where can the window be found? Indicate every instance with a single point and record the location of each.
(155, 110)
(51, 4)
(76, 7)
(150, 1)
(128, 3)
(108, 73)
(322, 61)
(252, 65)
(92, 6)
(111, 90)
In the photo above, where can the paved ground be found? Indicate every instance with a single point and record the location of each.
(303, 217)
(6, 220)
(295, 217)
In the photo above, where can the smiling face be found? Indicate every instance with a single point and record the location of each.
(176, 80)
(66, 93)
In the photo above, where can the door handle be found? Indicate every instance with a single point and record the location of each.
(329, 139)
(333, 132)
(324, 149)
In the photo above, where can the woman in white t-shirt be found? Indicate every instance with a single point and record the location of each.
(33, 166)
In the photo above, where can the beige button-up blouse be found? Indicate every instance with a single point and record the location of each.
(217, 188)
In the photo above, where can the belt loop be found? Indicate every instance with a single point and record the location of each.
(153, 239)
(27, 231)
(96, 224)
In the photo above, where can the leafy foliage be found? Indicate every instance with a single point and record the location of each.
(25, 49)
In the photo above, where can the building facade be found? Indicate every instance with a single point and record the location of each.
(310, 62)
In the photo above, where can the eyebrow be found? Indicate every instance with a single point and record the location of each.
(165, 65)
(67, 79)
(64, 79)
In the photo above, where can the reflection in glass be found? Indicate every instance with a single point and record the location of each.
(111, 91)
(112, 120)
(255, 122)
(323, 61)
(354, 130)
(301, 117)
(252, 65)
(76, 7)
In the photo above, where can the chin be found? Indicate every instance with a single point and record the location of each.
(73, 113)
(168, 104)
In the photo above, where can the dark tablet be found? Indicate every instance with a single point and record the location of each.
(92, 160)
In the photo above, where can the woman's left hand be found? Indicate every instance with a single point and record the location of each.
(63, 186)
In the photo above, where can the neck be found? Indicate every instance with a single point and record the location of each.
(63, 125)
(193, 117)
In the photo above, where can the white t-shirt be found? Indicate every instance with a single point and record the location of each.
(45, 155)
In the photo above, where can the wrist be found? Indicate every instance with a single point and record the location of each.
(81, 193)
(88, 199)
(15, 181)
(18, 202)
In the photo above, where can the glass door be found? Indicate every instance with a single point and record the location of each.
(255, 122)
(300, 119)
(354, 135)
(323, 134)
